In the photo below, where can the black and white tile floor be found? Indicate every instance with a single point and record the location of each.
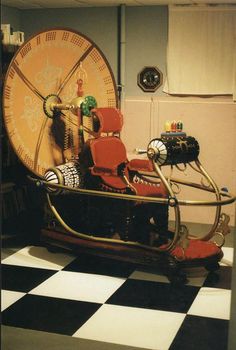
(62, 301)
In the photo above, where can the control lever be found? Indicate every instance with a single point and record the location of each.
(140, 151)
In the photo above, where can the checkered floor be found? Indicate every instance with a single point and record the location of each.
(103, 304)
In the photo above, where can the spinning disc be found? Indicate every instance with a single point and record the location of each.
(47, 68)
(159, 146)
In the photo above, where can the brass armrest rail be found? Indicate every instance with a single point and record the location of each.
(230, 198)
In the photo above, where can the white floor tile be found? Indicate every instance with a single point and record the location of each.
(196, 276)
(212, 302)
(39, 257)
(149, 329)
(79, 286)
(228, 256)
(9, 297)
(148, 276)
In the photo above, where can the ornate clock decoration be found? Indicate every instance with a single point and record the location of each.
(54, 67)
(150, 79)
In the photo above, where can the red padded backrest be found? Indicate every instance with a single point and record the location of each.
(110, 119)
(108, 152)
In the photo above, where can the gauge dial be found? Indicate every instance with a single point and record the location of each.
(48, 67)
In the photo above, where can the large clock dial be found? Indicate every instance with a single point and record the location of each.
(47, 68)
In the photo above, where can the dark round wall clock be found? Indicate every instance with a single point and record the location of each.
(149, 79)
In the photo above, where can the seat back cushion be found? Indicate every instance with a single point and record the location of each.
(108, 152)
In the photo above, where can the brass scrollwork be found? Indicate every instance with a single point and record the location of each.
(208, 185)
(175, 185)
(220, 234)
(181, 169)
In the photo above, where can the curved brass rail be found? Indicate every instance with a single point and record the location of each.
(172, 201)
(211, 188)
(215, 188)
(230, 198)
(100, 239)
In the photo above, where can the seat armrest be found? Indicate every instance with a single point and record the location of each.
(96, 170)
(140, 165)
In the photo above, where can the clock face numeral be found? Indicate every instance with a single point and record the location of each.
(110, 91)
(102, 67)
(111, 102)
(29, 161)
(51, 63)
(77, 40)
(11, 73)
(65, 36)
(20, 150)
(108, 80)
(26, 49)
(38, 40)
(51, 36)
(95, 56)
(7, 92)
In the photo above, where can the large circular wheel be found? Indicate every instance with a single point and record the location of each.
(49, 68)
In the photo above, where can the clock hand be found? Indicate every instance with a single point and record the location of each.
(41, 133)
(85, 128)
(73, 69)
(38, 145)
(27, 82)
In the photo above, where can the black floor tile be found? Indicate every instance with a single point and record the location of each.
(102, 266)
(154, 295)
(201, 333)
(23, 279)
(51, 315)
(220, 279)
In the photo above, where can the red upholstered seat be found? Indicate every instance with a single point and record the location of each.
(150, 190)
(109, 166)
(110, 163)
(110, 120)
(109, 158)
(107, 154)
(196, 249)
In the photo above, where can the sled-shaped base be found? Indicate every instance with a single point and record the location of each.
(163, 261)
